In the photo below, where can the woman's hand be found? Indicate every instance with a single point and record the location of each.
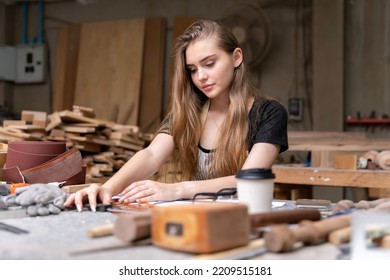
(148, 190)
(92, 194)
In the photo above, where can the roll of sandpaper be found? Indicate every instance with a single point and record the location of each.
(43, 162)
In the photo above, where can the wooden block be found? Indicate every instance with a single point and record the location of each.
(88, 146)
(84, 111)
(117, 135)
(7, 123)
(57, 133)
(35, 117)
(201, 228)
(54, 121)
(3, 154)
(345, 162)
(78, 129)
(74, 188)
(103, 230)
(14, 134)
(127, 145)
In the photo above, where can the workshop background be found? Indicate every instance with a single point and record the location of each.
(327, 61)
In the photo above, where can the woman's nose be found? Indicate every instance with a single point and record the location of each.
(202, 75)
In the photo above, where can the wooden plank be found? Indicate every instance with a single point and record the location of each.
(77, 129)
(324, 137)
(151, 98)
(7, 123)
(117, 135)
(328, 65)
(358, 145)
(286, 174)
(69, 116)
(66, 57)
(109, 69)
(327, 158)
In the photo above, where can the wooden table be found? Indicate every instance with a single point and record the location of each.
(64, 237)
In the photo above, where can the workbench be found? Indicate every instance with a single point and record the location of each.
(320, 176)
(64, 237)
(324, 147)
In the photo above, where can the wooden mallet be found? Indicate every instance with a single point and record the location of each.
(283, 238)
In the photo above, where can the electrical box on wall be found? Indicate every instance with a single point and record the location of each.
(295, 107)
(22, 63)
(30, 63)
(7, 63)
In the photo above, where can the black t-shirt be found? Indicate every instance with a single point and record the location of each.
(268, 123)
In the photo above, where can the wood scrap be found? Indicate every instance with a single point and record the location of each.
(34, 117)
(114, 143)
(84, 111)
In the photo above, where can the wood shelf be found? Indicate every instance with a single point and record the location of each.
(288, 174)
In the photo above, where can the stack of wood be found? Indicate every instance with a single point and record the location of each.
(105, 145)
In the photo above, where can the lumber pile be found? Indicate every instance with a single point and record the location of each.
(106, 146)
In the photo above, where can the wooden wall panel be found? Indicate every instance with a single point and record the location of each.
(109, 69)
(151, 99)
(67, 51)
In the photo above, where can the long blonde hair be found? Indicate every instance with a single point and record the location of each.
(186, 104)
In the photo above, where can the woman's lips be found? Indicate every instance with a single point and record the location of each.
(207, 87)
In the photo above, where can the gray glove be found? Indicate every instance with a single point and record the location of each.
(40, 199)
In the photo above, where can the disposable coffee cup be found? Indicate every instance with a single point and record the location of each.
(255, 188)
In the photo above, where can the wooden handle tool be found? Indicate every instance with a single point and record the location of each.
(367, 204)
(292, 216)
(340, 236)
(103, 230)
(282, 238)
(132, 227)
(382, 242)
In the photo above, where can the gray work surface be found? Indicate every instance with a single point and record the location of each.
(64, 237)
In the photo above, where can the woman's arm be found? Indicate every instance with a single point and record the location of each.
(262, 155)
(142, 165)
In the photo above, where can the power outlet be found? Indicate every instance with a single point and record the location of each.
(295, 106)
(30, 63)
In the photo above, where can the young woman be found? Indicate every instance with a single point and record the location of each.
(218, 123)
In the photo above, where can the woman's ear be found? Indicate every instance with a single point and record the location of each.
(237, 57)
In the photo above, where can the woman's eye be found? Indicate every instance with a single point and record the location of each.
(192, 71)
(210, 64)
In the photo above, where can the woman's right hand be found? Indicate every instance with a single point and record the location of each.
(92, 194)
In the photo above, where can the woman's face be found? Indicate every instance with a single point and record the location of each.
(211, 68)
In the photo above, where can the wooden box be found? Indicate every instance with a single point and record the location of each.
(201, 227)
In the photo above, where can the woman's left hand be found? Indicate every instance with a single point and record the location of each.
(148, 190)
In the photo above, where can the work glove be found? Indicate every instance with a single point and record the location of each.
(39, 199)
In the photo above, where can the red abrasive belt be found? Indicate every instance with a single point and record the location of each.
(43, 162)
